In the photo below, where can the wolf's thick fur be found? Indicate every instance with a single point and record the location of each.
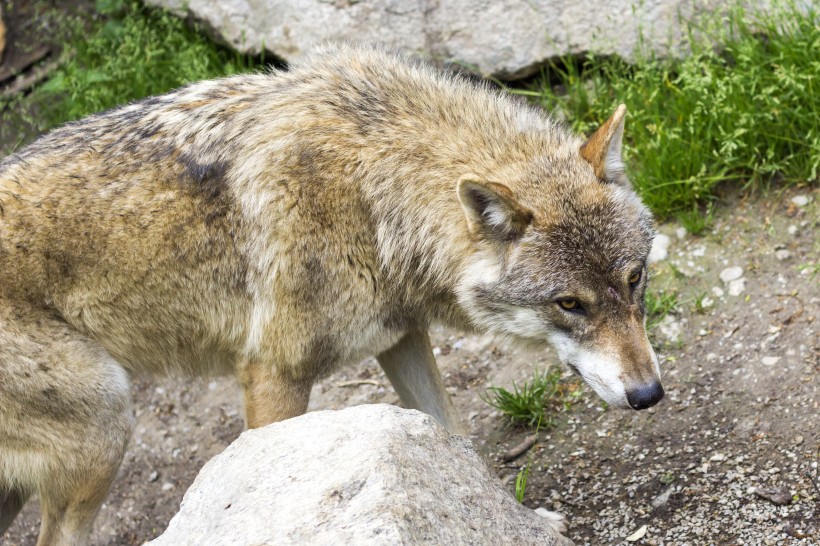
(276, 226)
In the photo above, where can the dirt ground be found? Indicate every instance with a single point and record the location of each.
(741, 417)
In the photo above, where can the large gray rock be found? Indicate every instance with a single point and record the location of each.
(372, 474)
(503, 38)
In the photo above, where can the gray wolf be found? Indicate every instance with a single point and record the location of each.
(277, 226)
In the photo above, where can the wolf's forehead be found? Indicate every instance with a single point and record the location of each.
(597, 238)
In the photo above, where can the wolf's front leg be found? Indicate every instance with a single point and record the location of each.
(270, 395)
(411, 368)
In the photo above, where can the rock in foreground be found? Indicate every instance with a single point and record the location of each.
(373, 474)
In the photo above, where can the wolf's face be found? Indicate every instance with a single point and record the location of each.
(562, 259)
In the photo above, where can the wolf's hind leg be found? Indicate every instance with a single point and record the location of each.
(65, 420)
(70, 508)
(411, 368)
(11, 502)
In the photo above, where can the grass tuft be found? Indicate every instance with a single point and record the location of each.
(128, 52)
(536, 401)
(658, 306)
(747, 115)
(521, 482)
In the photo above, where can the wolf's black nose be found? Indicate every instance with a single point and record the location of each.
(645, 396)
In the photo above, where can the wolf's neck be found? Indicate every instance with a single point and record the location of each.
(422, 243)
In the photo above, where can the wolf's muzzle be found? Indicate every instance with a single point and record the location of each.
(645, 396)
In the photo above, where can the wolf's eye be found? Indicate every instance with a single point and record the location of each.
(635, 279)
(569, 304)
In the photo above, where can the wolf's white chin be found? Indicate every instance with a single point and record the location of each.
(601, 372)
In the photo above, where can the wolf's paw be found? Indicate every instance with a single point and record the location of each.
(556, 520)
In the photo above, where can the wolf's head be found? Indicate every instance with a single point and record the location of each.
(560, 257)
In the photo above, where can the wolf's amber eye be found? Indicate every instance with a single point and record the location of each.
(635, 278)
(569, 304)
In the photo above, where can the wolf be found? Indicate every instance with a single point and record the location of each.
(276, 226)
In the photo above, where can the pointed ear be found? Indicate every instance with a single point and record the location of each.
(491, 209)
(603, 149)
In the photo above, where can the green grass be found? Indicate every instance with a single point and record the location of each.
(746, 115)
(536, 401)
(658, 305)
(521, 483)
(697, 219)
(129, 52)
(697, 303)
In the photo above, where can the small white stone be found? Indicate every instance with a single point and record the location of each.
(699, 251)
(167, 486)
(800, 200)
(770, 360)
(670, 328)
(153, 476)
(660, 248)
(782, 254)
(731, 273)
(637, 535)
(702, 332)
(792, 230)
(737, 286)
(710, 357)
(663, 498)
(543, 512)
(680, 233)
(717, 291)
(707, 302)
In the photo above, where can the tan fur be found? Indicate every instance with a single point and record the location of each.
(277, 226)
(2, 35)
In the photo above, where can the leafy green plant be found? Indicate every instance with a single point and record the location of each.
(535, 401)
(745, 114)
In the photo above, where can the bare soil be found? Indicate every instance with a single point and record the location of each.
(741, 415)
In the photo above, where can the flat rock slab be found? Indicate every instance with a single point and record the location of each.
(506, 39)
(372, 474)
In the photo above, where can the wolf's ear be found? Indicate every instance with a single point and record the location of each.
(492, 210)
(603, 149)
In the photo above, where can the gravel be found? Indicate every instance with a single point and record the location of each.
(735, 422)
